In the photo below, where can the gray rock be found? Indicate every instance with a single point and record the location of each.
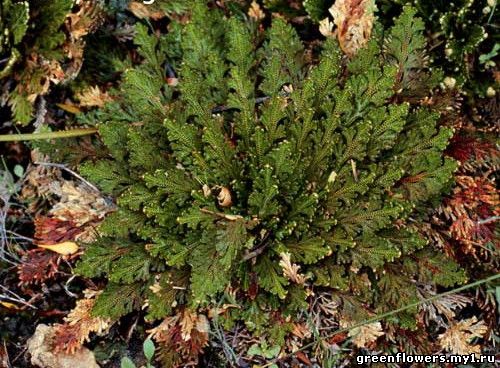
(43, 355)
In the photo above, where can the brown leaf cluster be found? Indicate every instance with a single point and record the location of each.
(39, 72)
(74, 211)
(79, 325)
(143, 11)
(365, 335)
(37, 266)
(181, 338)
(472, 210)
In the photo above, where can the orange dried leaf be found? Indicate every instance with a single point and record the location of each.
(10, 305)
(142, 11)
(50, 230)
(79, 324)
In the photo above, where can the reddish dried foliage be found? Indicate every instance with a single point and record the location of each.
(51, 230)
(37, 266)
(67, 338)
(463, 148)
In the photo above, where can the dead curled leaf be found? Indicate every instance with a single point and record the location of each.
(183, 336)
(364, 335)
(78, 203)
(77, 212)
(40, 72)
(354, 22)
(51, 230)
(84, 20)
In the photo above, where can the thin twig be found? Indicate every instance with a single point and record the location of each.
(63, 167)
(258, 249)
(6, 354)
(19, 236)
(15, 298)
(221, 215)
(48, 135)
(488, 220)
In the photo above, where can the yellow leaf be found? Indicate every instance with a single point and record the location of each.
(9, 305)
(64, 248)
(69, 108)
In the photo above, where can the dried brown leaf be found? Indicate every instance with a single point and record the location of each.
(93, 96)
(365, 335)
(79, 324)
(255, 11)
(37, 266)
(290, 270)
(142, 11)
(354, 21)
(458, 337)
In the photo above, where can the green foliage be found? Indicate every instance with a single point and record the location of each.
(465, 36)
(256, 154)
(13, 23)
(32, 29)
(316, 8)
(148, 348)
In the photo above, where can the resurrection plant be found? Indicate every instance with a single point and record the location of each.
(258, 179)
